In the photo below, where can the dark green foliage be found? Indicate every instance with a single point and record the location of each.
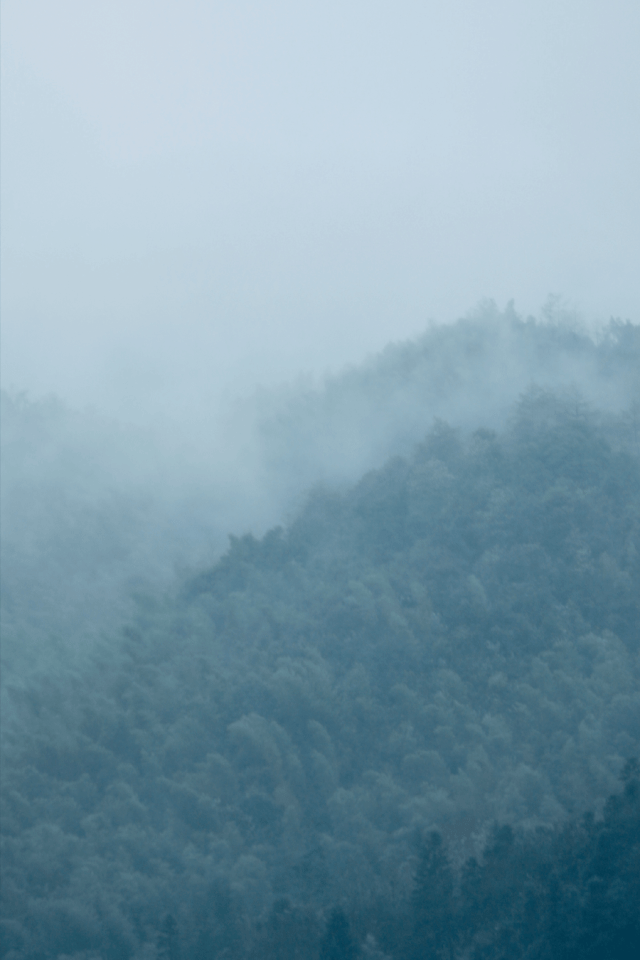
(217, 926)
(435, 911)
(569, 895)
(337, 942)
(448, 644)
(289, 934)
(168, 940)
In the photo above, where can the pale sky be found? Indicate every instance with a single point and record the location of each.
(201, 196)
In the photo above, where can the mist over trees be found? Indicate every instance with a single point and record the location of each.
(91, 508)
(397, 719)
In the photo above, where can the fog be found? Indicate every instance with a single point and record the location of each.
(320, 453)
(376, 731)
(201, 198)
(237, 242)
(93, 510)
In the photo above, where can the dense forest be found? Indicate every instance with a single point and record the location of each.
(402, 722)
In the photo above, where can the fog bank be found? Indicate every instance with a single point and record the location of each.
(199, 198)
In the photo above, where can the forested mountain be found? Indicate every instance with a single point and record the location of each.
(375, 729)
(92, 509)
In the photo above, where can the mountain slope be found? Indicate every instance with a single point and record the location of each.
(451, 641)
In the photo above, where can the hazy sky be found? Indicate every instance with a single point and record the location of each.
(201, 195)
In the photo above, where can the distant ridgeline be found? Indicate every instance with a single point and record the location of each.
(375, 732)
(469, 374)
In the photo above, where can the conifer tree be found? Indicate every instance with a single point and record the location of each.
(337, 942)
(434, 907)
(168, 945)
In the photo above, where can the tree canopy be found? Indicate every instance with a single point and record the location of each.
(377, 729)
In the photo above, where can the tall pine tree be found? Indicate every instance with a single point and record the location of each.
(434, 905)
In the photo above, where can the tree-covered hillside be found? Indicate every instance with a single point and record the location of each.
(469, 374)
(257, 763)
(92, 508)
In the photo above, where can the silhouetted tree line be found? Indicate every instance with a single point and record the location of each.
(566, 894)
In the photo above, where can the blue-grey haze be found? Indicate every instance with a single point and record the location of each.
(200, 197)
